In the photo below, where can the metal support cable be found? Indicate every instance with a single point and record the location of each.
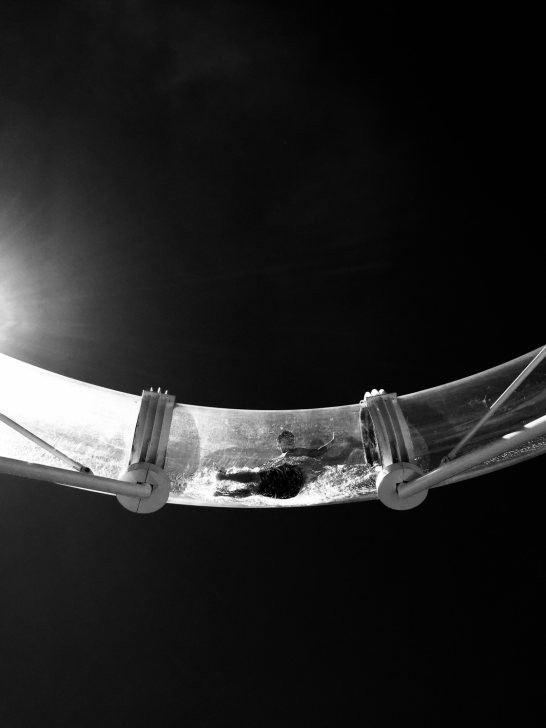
(43, 444)
(498, 402)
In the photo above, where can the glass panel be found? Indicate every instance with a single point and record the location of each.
(439, 417)
(245, 444)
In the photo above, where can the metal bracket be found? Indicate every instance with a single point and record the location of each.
(149, 451)
(385, 433)
(152, 428)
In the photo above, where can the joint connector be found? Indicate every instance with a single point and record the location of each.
(385, 432)
(389, 480)
(154, 476)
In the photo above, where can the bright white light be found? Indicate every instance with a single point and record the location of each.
(90, 424)
(534, 423)
(528, 426)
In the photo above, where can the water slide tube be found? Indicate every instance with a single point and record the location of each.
(149, 450)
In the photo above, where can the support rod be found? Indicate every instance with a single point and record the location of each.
(43, 444)
(464, 462)
(504, 396)
(60, 476)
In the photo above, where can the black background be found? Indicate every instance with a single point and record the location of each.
(269, 205)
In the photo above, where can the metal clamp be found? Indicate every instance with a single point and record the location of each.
(149, 451)
(152, 428)
(385, 433)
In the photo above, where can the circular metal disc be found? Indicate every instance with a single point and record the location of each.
(156, 477)
(388, 481)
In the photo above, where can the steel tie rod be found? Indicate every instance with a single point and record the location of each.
(43, 444)
(61, 476)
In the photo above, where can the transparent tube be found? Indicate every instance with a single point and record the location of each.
(207, 445)
(206, 440)
(438, 418)
(95, 426)
(90, 424)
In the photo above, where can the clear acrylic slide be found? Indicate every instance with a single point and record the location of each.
(95, 426)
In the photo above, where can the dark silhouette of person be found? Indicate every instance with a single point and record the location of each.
(282, 477)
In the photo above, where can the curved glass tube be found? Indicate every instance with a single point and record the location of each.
(205, 440)
(90, 424)
(95, 426)
(439, 417)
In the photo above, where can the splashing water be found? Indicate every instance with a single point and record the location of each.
(335, 484)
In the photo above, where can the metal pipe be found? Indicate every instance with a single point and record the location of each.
(468, 460)
(42, 443)
(503, 397)
(60, 476)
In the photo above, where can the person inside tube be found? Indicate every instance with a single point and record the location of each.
(282, 477)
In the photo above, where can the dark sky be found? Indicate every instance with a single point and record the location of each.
(269, 205)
